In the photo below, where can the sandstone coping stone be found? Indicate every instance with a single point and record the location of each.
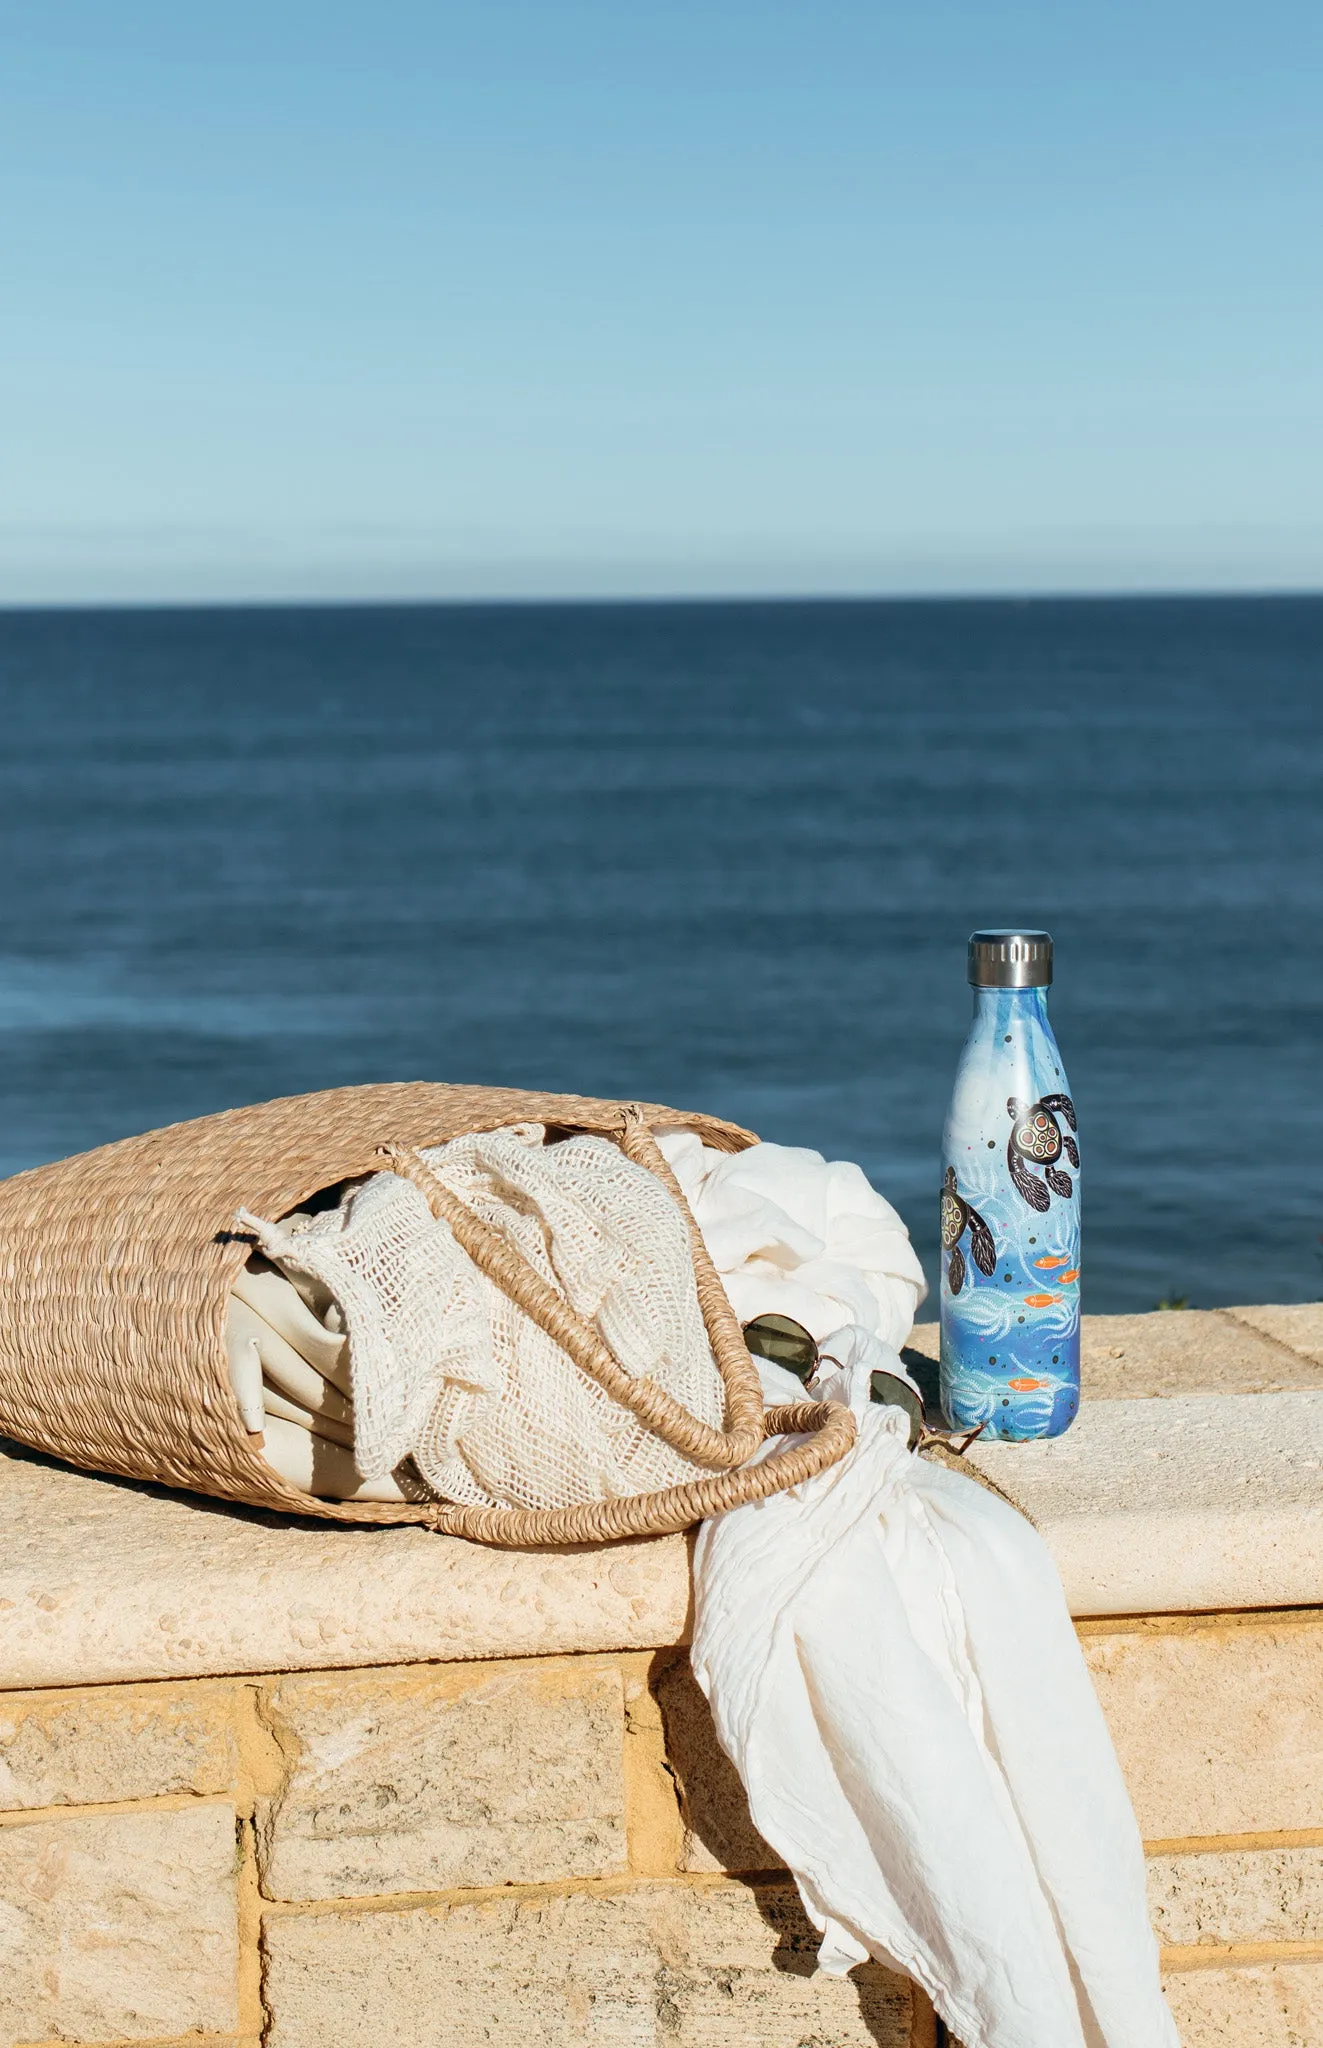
(1149, 1504)
(104, 1580)
(119, 1926)
(425, 1780)
(659, 1966)
(1198, 1501)
(1297, 1327)
(1276, 2005)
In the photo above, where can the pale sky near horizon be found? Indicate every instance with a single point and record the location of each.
(591, 298)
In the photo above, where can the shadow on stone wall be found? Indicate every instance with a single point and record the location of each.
(720, 1835)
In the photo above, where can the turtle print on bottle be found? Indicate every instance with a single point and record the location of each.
(1010, 1336)
(1037, 1139)
(958, 1217)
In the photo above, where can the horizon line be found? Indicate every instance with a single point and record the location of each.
(708, 600)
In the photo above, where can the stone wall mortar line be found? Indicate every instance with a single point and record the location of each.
(1228, 1619)
(264, 1760)
(252, 2012)
(1221, 1845)
(1229, 1315)
(1239, 1955)
(223, 1690)
(162, 1802)
(560, 1888)
(157, 2041)
(193, 2040)
(654, 1828)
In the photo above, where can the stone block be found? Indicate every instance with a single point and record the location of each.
(718, 1831)
(1188, 1351)
(1237, 1895)
(119, 1927)
(87, 1748)
(1298, 1326)
(103, 1584)
(1219, 1729)
(659, 1966)
(426, 1780)
(1272, 2005)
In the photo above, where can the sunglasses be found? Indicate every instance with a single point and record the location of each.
(784, 1342)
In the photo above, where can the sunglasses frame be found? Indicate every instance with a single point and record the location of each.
(792, 1336)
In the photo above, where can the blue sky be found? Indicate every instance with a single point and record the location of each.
(427, 300)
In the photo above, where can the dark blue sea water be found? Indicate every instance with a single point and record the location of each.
(719, 855)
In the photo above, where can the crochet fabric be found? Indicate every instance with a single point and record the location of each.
(447, 1371)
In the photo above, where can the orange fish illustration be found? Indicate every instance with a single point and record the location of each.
(1052, 1259)
(1064, 1278)
(1025, 1386)
(1040, 1300)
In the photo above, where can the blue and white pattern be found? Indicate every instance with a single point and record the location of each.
(1010, 1325)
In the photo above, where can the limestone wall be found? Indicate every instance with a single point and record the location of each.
(273, 1782)
(546, 1852)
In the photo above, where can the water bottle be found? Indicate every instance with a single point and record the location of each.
(1011, 1206)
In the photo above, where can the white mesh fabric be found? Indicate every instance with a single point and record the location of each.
(447, 1370)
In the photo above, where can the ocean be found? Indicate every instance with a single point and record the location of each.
(719, 855)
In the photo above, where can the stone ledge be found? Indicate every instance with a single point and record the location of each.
(104, 1580)
(1267, 1350)
(1160, 1506)
(1201, 1488)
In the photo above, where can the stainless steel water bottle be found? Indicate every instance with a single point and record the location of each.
(1011, 1205)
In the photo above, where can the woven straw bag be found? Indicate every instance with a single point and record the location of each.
(117, 1268)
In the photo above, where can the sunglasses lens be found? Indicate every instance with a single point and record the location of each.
(894, 1393)
(782, 1342)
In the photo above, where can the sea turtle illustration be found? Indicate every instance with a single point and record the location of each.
(1037, 1139)
(957, 1218)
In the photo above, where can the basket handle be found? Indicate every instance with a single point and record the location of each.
(826, 1430)
(657, 1410)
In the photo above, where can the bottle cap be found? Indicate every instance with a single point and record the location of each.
(1010, 959)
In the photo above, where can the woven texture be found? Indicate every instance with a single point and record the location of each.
(451, 1372)
(118, 1266)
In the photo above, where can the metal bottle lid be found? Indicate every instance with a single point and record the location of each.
(1010, 959)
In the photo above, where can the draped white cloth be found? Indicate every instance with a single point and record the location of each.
(892, 1670)
(795, 1234)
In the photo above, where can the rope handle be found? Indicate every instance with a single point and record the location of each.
(658, 1411)
(825, 1429)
